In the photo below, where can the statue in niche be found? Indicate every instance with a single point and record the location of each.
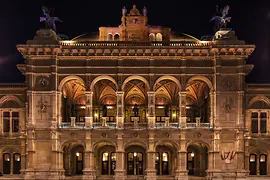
(167, 111)
(104, 111)
(221, 18)
(136, 110)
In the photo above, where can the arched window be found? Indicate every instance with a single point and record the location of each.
(159, 37)
(116, 37)
(113, 162)
(190, 163)
(157, 163)
(253, 164)
(263, 164)
(165, 165)
(152, 37)
(135, 163)
(6, 163)
(110, 37)
(79, 162)
(105, 163)
(16, 163)
(6, 121)
(15, 121)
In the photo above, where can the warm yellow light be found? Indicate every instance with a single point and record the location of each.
(96, 115)
(77, 154)
(174, 114)
(135, 154)
(192, 154)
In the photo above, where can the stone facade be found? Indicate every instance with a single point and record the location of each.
(73, 118)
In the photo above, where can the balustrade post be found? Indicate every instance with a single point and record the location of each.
(89, 109)
(182, 106)
(151, 109)
(120, 109)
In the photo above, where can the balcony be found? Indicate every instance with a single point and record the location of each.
(135, 125)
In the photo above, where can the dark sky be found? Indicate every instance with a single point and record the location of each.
(20, 20)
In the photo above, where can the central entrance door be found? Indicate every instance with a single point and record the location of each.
(135, 160)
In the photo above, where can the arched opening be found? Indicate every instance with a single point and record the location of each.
(106, 158)
(73, 101)
(263, 164)
(253, 164)
(104, 101)
(73, 155)
(135, 100)
(6, 163)
(159, 37)
(16, 163)
(167, 101)
(116, 37)
(258, 164)
(135, 160)
(110, 37)
(197, 159)
(152, 37)
(165, 159)
(198, 102)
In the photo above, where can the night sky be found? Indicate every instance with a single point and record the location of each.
(20, 20)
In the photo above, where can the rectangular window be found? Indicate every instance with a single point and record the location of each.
(6, 119)
(254, 122)
(15, 121)
(263, 117)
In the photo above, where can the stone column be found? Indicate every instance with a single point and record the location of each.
(89, 172)
(59, 109)
(10, 122)
(56, 166)
(151, 109)
(240, 118)
(1, 121)
(151, 173)
(213, 114)
(30, 158)
(120, 172)
(240, 154)
(181, 172)
(120, 110)
(182, 106)
(89, 109)
(214, 159)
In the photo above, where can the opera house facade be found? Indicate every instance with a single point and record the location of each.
(135, 102)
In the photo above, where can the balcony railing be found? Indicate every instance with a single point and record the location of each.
(166, 125)
(69, 125)
(134, 125)
(101, 125)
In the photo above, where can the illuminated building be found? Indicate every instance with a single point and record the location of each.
(74, 115)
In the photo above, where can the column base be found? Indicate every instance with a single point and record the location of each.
(119, 175)
(181, 175)
(31, 174)
(89, 174)
(151, 174)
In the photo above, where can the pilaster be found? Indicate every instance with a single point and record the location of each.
(89, 172)
(120, 109)
(151, 109)
(151, 170)
(181, 172)
(182, 106)
(120, 172)
(89, 109)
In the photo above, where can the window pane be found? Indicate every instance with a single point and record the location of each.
(263, 164)
(254, 126)
(130, 156)
(165, 156)
(254, 115)
(263, 125)
(15, 114)
(263, 115)
(253, 164)
(105, 156)
(113, 156)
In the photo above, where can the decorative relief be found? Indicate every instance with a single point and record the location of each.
(259, 105)
(73, 135)
(42, 82)
(104, 135)
(43, 105)
(135, 135)
(167, 135)
(197, 135)
(228, 84)
(228, 104)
